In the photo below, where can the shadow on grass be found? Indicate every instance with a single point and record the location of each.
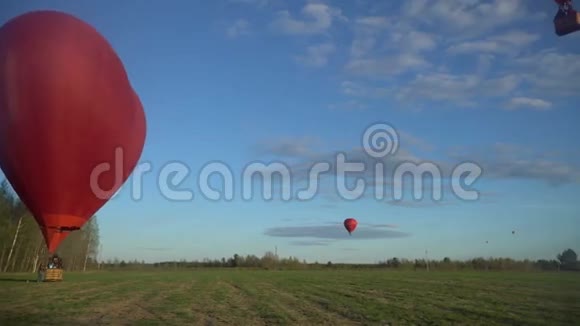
(17, 280)
(12, 317)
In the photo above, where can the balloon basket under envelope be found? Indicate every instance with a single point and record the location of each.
(566, 25)
(53, 275)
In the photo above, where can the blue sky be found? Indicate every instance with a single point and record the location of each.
(241, 81)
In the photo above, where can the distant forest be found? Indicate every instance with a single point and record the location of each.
(22, 249)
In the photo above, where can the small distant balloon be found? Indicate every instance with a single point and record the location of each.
(350, 225)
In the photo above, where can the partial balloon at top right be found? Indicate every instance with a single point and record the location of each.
(567, 19)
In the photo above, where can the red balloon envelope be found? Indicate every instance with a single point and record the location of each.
(67, 109)
(350, 225)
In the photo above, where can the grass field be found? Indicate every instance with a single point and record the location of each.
(341, 297)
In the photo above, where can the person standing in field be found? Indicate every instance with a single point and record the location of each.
(41, 273)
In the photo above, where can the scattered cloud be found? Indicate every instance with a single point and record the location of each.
(469, 18)
(357, 89)
(387, 46)
(505, 161)
(301, 170)
(405, 56)
(238, 28)
(317, 19)
(367, 31)
(454, 53)
(457, 89)
(551, 72)
(398, 51)
(408, 40)
(387, 66)
(332, 232)
(316, 55)
(498, 162)
(509, 43)
(529, 103)
(289, 147)
(372, 23)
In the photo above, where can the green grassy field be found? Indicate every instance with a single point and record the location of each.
(341, 297)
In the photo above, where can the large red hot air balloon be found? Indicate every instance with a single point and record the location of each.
(350, 225)
(67, 109)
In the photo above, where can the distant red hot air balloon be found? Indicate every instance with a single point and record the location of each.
(66, 107)
(350, 225)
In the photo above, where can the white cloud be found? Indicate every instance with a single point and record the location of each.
(506, 43)
(366, 30)
(508, 161)
(318, 19)
(373, 22)
(392, 46)
(484, 63)
(405, 55)
(517, 38)
(468, 17)
(501, 161)
(529, 103)
(419, 41)
(461, 89)
(317, 55)
(362, 45)
(413, 41)
(415, 7)
(238, 28)
(476, 47)
(358, 90)
(551, 72)
(288, 147)
(353, 89)
(387, 65)
(387, 46)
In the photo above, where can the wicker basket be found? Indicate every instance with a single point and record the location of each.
(566, 25)
(53, 275)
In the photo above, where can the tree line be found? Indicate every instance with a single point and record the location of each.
(22, 246)
(565, 261)
(22, 249)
